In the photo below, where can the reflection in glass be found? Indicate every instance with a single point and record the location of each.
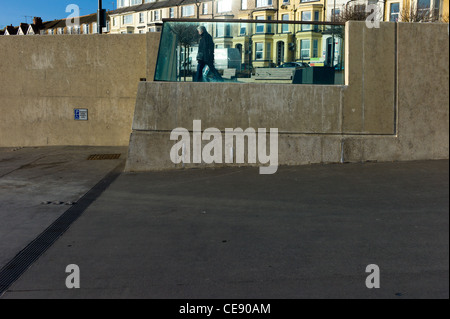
(246, 51)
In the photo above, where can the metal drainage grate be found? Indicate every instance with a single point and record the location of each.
(25, 258)
(100, 157)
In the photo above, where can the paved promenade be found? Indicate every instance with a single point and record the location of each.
(305, 232)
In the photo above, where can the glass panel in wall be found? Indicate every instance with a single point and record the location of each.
(244, 51)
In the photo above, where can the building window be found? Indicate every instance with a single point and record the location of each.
(305, 46)
(77, 29)
(423, 4)
(306, 16)
(243, 29)
(269, 26)
(223, 30)
(136, 2)
(154, 29)
(156, 15)
(316, 15)
(187, 11)
(395, 11)
(171, 13)
(204, 8)
(260, 26)
(307, 0)
(128, 19)
(60, 30)
(94, 27)
(259, 51)
(141, 17)
(108, 26)
(335, 14)
(316, 18)
(423, 8)
(244, 5)
(285, 27)
(268, 49)
(359, 8)
(219, 30)
(263, 3)
(224, 6)
(436, 9)
(86, 28)
(315, 48)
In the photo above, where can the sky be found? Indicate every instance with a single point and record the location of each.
(16, 11)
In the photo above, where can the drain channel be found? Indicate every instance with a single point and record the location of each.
(100, 157)
(24, 259)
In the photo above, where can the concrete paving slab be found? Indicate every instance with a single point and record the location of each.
(306, 232)
(38, 184)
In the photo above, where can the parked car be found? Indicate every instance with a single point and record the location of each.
(294, 65)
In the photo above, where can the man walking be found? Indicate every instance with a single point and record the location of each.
(205, 56)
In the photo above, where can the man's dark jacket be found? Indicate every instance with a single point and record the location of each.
(206, 48)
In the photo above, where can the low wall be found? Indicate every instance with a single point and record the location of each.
(394, 106)
(44, 78)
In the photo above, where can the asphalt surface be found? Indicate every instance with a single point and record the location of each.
(37, 185)
(305, 232)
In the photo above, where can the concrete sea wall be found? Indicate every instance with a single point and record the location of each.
(44, 78)
(394, 106)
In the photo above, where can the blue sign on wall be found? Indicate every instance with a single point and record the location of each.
(81, 114)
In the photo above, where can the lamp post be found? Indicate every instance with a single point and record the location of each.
(294, 10)
(101, 17)
(197, 3)
(334, 11)
(332, 46)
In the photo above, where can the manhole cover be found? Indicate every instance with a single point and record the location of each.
(99, 157)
